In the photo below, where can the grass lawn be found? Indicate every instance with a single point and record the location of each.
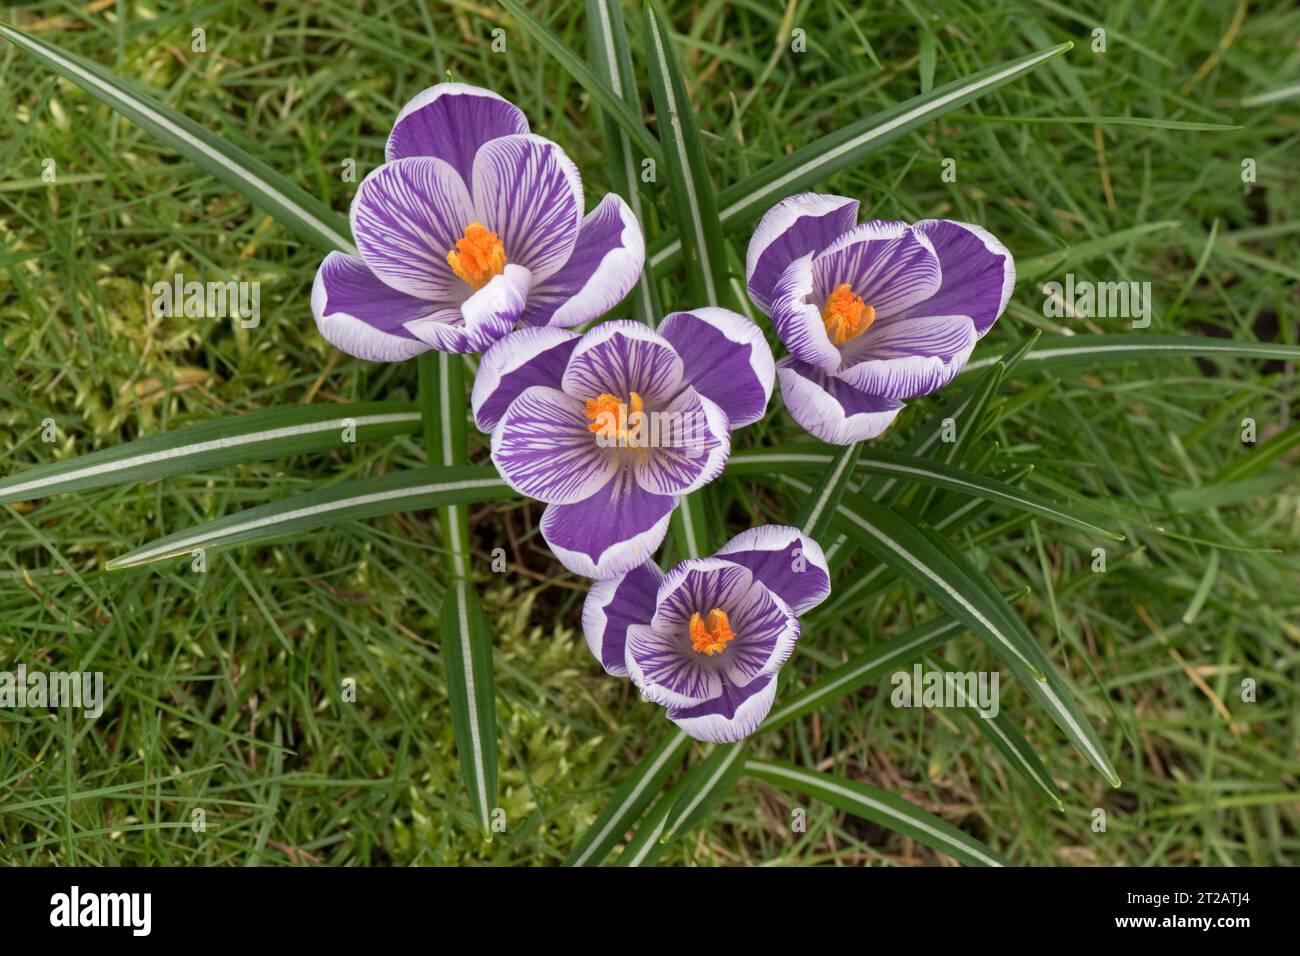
(1160, 160)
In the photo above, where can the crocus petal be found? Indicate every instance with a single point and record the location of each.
(731, 716)
(518, 361)
(725, 358)
(798, 319)
(359, 315)
(830, 408)
(795, 227)
(543, 449)
(890, 267)
(606, 262)
(620, 357)
(690, 441)
(451, 121)
(904, 358)
(485, 317)
(784, 560)
(766, 632)
(529, 193)
(613, 531)
(978, 272)
(406, 216)
(667, 671)
(614, 604)
(698, 585)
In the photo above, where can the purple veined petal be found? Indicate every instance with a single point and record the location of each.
(617, 528)
(978, 272)
(830, 408)
(621, 356)
(725, 358)
(766, 630)
(359, 315)
(731, 716)
(485, 317)
(697, 586)
(784, 560)
(542, 448)
(529, 193)
(665, 669)
(794, 227)
(533, 356)
(614, 604)
(451, 121)
(798, 320)
(886, 264)
(907, 358)
(606, 262)
(690, 441)
(406, 216)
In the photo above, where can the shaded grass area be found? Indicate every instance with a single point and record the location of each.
(226, 688)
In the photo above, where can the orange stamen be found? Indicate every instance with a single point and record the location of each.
(711, 636)
(609, 416)
(846, 315)
(479, 255)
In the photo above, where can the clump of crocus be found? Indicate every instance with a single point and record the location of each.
(706, 639)
(873, 313)
(471, 226)
(611, 428)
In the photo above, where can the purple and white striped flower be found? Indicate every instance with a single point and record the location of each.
(472, 225)
(611, 428)
(873, 313)
(706, 639)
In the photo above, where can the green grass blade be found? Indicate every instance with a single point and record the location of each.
(879, 807)
(686, 171)
(412, 490)
(818, 509)
(818, 161)
(1245, 465)
(706, 786)
(1057, 351)
(582, 74)
(632, 796)
(255, 436)
(471, 693)
(288, 204)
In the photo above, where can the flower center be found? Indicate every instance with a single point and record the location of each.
(710, 636)
(609, 416)
(479, 255)
(846, 315)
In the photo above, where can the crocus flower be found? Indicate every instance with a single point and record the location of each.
(873, 313)
(706, 639)
(612, 427)
(472, 225)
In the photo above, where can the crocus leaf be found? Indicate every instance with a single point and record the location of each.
(471, 692)
(818, 509)
(819, 160)
(644, 847)
(240, 439)
(878, 806)
(686, 172)
(287, 204)
(582, 74)
(1003, 733)
(629, 799)
(704, 788)
(411, 490)
(1057, 351)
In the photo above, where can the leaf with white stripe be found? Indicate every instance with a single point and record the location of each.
(632, 796)
(704, 788)
(644, 847)
(286, 203)
(686, 171)
(1058, 351)
(819, 160)
(237, 440)
(818, 509)
(471, 692)
(882, 808)
(411, 490)
(1003, 733)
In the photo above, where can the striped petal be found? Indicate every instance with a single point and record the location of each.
(784, 560)
(798, 319)
(612, 606)
(485, 317)
(795, 227)
(406, 216)
(667, 671)
(451, 121)
(518, 361)
(613, 531)
(830, 408)
(725, 358)
(620, 357)
(529, 193)
(543, 449)
(359, 315)
(606, 262)
(906, 358)
(731, 716)
(978, 273)
(690, 440)
(885, 263)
